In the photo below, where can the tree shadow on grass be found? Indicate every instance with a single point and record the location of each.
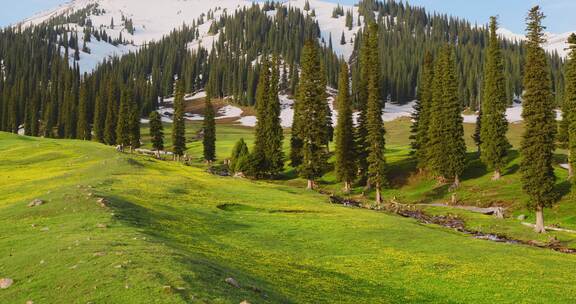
(288, 175)
(435, 194)
(475, 168)
(563, 189)
(511, 170)
(399, 172)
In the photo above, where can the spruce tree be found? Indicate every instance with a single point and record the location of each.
(274, 147)
(99, 118)
(123, 125)
(312, 104)
(345, 156)
(493, 124)
(110, 121)
(31, 118)
(83, 128)
(362, 98)
(240, 155)
(134, 124)
(375, 125)
(49, 116)
(267, 159)
(209, 140)
(569, 106)
(422, 113)
(258, 161)
(447, 149)
(178, 125)
(537, 148)
(156, 131)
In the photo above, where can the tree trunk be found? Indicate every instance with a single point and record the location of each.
(310, 185)
(497, 175)
(378, 195)
(456, 182)
(347, 187)
(539, 227)
(570, 169)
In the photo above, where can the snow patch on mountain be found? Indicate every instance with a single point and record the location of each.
(555, 42)
(153, 19)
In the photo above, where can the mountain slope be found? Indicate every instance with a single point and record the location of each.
(153, 20)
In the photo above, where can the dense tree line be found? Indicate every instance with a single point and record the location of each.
(407, 32)
(50, 86)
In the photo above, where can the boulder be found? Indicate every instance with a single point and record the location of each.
(232, 282)
(498, 213)
(102, 202)
(522, 217)
(5, 283)
(36, 203)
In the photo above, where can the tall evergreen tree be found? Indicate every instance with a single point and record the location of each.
(123, 125)
(538, 144)
(274, 150)
(446, 134)
(156, 131)
(569, 106)
(421, 116)
(240, 155)
(31, 119)
(259, 164)
(267, 159)
(178, 126)
(209, 141)
(110, 122)
(48, 114)
(345, 156)
(99, 118)
(134, 124)
(362, 98)
(84, 131)
(375, 125)
(493, 124)
(311, 105)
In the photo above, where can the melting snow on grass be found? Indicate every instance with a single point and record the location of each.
(391, 112)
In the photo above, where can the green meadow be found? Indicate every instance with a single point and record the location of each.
(172, 233)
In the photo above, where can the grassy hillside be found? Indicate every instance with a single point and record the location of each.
(173, 234)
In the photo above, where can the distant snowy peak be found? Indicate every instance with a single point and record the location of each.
(556, 42)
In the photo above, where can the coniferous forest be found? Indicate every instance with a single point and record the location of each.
(33, 57)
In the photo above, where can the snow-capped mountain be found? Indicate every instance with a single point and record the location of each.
(153, 19)
(556, 42)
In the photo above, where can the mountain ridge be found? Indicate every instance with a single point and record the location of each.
(152, 24)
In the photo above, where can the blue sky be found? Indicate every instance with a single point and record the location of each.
(560, 12)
